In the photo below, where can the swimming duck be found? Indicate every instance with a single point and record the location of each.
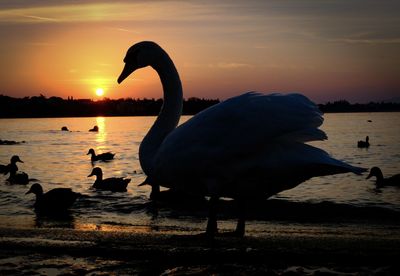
(64, 128)
(15, 176)
(57, 200)
(113, 184)
(106, 156)
(363, 144)
(381, 181)
(94, 129)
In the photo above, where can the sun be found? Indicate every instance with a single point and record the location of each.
(99, 92)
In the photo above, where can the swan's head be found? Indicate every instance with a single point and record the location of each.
(140, 55)
(35, 189)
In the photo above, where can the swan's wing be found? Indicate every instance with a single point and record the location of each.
(239, 126)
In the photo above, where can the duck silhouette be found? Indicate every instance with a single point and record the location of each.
(249, 146)
(94, 129)
(113, 184)
(55, 201)
(106, 156)
(363, 144)
(393, 180)
(16, 177)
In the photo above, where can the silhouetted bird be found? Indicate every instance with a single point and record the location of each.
(381, 181)
(55, 201)
(64, 128)
(363, 144)
(246, 147)
(15, 176)
(114, 184)
(94, 129)
(106, 156)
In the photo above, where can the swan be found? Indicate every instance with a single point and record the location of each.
(55, 201)
(113, 184)
(249, 146)
(106, 156)
(393, 180)
(363, 144)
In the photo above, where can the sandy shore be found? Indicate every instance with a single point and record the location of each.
(77, 252)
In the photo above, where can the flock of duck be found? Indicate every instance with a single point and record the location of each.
(246, 147)
(59, 200)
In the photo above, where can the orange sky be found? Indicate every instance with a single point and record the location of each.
(327, 50)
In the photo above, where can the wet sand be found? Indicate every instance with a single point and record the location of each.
(360, 250)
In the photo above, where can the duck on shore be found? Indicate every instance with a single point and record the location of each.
(393, 180)
(113, 184)
(363, 144)
(55, 201)
(106, 156)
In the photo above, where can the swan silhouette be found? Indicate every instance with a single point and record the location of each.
(249, 146)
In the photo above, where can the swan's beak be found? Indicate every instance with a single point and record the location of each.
(369, 176)
(28, 192)
(128, 69)
(90, 175)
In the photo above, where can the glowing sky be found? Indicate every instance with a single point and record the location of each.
(328, 50)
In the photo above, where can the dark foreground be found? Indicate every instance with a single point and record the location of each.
(77, 252)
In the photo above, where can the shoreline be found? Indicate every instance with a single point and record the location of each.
(168, 253)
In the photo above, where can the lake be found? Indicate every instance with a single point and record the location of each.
(58, 159)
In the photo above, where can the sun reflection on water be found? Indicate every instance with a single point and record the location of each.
(102, 134)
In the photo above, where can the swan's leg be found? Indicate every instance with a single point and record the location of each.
(240, 227)
(212, 228)
(155, 191)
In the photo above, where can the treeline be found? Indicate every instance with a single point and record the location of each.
(41, 106)
(345, 106)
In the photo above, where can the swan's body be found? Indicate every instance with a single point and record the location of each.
(363, 144)
(381, 181)
(55, 201)
(106, 156)
(113, 184)
(247, 146)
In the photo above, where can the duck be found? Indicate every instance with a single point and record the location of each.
(247, 147)
(16, 177)
(363, 144)
(55, 201)
(106, 156)
(394, 180)
(94, 129)
(113, 184)
(64, 128)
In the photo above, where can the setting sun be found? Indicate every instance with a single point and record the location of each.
(99, 91)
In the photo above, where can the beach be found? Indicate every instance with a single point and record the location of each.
(361, 249)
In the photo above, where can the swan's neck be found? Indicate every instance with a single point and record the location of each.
(169, 115)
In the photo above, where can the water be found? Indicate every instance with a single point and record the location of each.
(58, 159)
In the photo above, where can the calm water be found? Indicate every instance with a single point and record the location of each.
(58, 159)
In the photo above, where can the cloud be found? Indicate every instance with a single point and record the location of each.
(231, 65)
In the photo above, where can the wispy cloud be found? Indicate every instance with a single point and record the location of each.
(230, 65)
